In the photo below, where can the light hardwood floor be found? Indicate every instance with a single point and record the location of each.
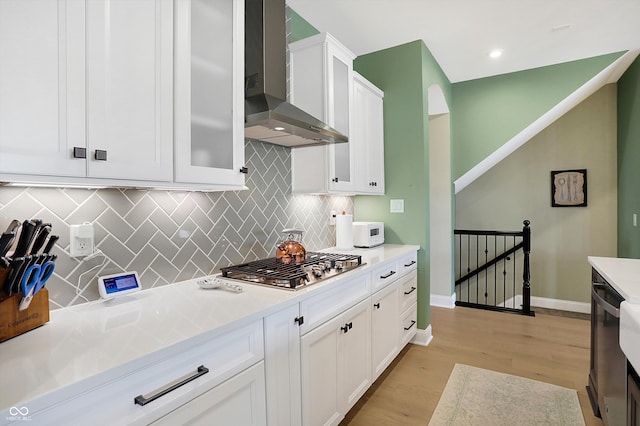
(547, 348)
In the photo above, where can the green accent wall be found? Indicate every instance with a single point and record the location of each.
(629, 161)
(299, 27)
(404, 73)
(490, 111)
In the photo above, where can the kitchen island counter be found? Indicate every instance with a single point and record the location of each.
(624, 276)
(87, 345)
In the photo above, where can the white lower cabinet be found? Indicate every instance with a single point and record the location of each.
(336, 365)
(384, 329)
(239, 401)
(211, 369)
(282, 367)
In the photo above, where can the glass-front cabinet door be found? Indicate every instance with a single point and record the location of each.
(339, 82)
(209, 100)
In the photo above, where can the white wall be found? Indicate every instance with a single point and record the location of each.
(520, 188)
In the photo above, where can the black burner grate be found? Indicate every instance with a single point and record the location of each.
(273, 273)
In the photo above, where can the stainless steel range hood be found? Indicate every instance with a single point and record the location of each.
(268, 116)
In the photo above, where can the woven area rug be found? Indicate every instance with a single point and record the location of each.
(477, 397)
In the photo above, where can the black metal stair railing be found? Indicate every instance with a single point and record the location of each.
(487, 267)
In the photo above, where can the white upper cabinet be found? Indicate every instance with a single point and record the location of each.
(87, 92)
(86, 88)
(41, 87)
(324, 84)
(209, 94)
(321, 81)
(129, 48)
(367, 136)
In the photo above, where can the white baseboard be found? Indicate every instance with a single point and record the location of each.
(422, 337)
(562, 305)
(443, 301)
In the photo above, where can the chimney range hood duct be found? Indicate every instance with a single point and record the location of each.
(268, 116)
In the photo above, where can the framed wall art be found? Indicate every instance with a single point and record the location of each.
(569, 188)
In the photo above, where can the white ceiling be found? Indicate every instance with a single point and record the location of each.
(461, 33)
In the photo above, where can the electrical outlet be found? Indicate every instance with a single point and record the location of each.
(332, 218)
(81, 240)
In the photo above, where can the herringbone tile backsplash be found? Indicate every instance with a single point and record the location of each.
(169, 236)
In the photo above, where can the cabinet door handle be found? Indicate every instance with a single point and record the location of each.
(413, 262)
(376, 305)
(334, 180)
(410, 291)
(345, 329)
(384, 277)
(409, 328)
(299, 320)
(169, 387)
(244, 170)
(79, 152)
(100, 155)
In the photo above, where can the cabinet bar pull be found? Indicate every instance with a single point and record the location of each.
(244, 169)
(413, 262)
(376, 305)
(410, 291)
(345, 329)
(388, 275)
(409, 328)
(145, 399)
(299, 320)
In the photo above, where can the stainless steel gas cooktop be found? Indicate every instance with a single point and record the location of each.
(271, 273)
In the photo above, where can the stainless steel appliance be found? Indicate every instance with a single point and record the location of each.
(272, 273)
(607, 376)
(268, 116)
(368, 234)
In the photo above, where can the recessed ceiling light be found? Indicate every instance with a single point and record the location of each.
(278, 128)
(495, 53)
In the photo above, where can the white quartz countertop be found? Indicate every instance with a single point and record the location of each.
(95, 341)
(622, 274)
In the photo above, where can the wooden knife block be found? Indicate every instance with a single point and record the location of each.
(14, 322)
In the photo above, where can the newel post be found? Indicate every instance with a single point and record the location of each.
(526, 275)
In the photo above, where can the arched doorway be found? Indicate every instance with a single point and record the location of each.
(440, 200)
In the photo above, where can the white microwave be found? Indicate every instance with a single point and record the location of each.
(368, 234)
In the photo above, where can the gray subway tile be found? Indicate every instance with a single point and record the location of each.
(141, 211)
(117, 226)
(141, 236)
(116, 200)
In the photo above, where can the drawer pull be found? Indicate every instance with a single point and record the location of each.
(409, 328)
(376, 305)
(410, 291)
(299, 320)
(384, 277)
(413, 262)
(145, 399)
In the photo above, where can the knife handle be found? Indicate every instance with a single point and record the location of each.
(16, 264)
(39, 240)
(26, 234)
(50, 244)
(5, 242)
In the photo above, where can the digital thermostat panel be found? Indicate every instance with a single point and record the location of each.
(118, 284)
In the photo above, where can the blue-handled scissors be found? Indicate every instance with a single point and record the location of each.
(33, 279)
